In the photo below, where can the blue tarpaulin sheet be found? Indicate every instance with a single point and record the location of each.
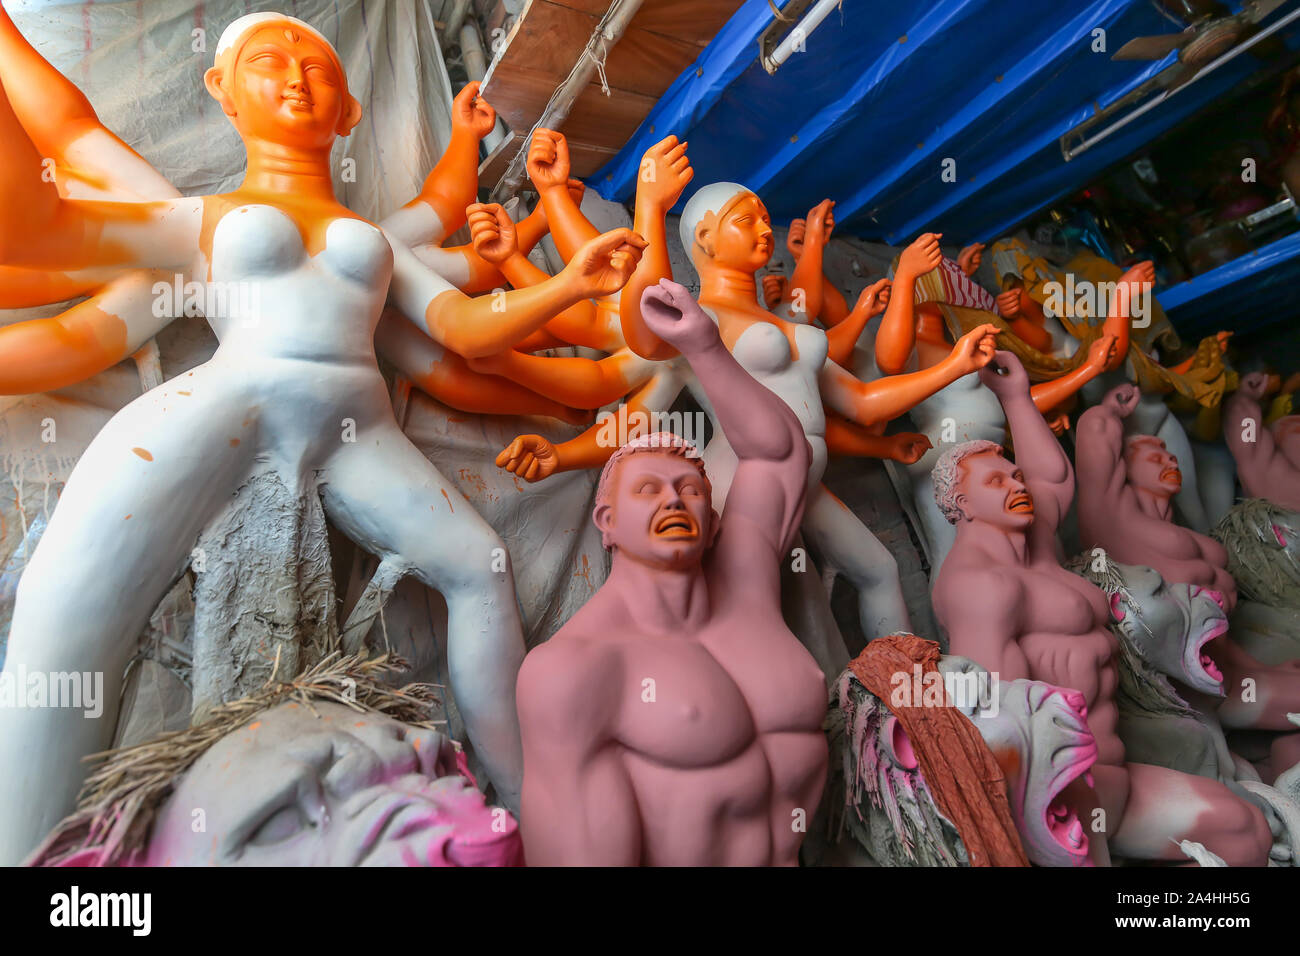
(887, 91)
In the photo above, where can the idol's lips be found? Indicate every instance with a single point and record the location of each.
(1021, 502)
(676, 524)
(1172, 475)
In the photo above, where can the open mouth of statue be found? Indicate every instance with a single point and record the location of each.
(1171, 476)
(1075, 758)
(1021, 503)
(676, 524)
(1203, 661)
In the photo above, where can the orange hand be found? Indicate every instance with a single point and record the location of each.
(492, 232)
(794, 237)
(970, 258)
(665, 174)
(920, 257)
(774, 286)
(471, 113)
(531, 457)
(605, 264)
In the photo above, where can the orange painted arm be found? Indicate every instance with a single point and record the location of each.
(1025, 316)
(548, 167)
(844, 337)
(576, 325)
(664, 174)
(446, 376)
(25, 288)
(848, 439)
(1137, 281)
(453, 183)
(896, 338)
(835, 308)
(579, 382)
(806, 281)
(1049, 396)
(487, 325)
(44, 354)
(868, 403)
(1031, 334)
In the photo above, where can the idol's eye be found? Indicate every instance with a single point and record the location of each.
(690, 488)
(278, 827)
(647, 488)
(320, 73)
(1019, 476)
(268, 58)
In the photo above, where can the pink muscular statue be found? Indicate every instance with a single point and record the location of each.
(1268, 459)
(675, 720)
(1007, 604)
(1126, 489)
(1126, 500)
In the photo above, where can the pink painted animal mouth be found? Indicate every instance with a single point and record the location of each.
(1061, 818)
(1203, 660)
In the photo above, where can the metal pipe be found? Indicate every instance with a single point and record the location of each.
(474, 59)
(1151, 104)
(457, 18)
(794, 40)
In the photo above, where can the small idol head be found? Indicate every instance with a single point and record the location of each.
(654, 503)
(727, 225)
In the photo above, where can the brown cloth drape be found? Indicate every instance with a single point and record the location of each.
(969, 787)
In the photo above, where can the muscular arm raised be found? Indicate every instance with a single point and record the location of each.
(1045, 465)
(765, 502)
